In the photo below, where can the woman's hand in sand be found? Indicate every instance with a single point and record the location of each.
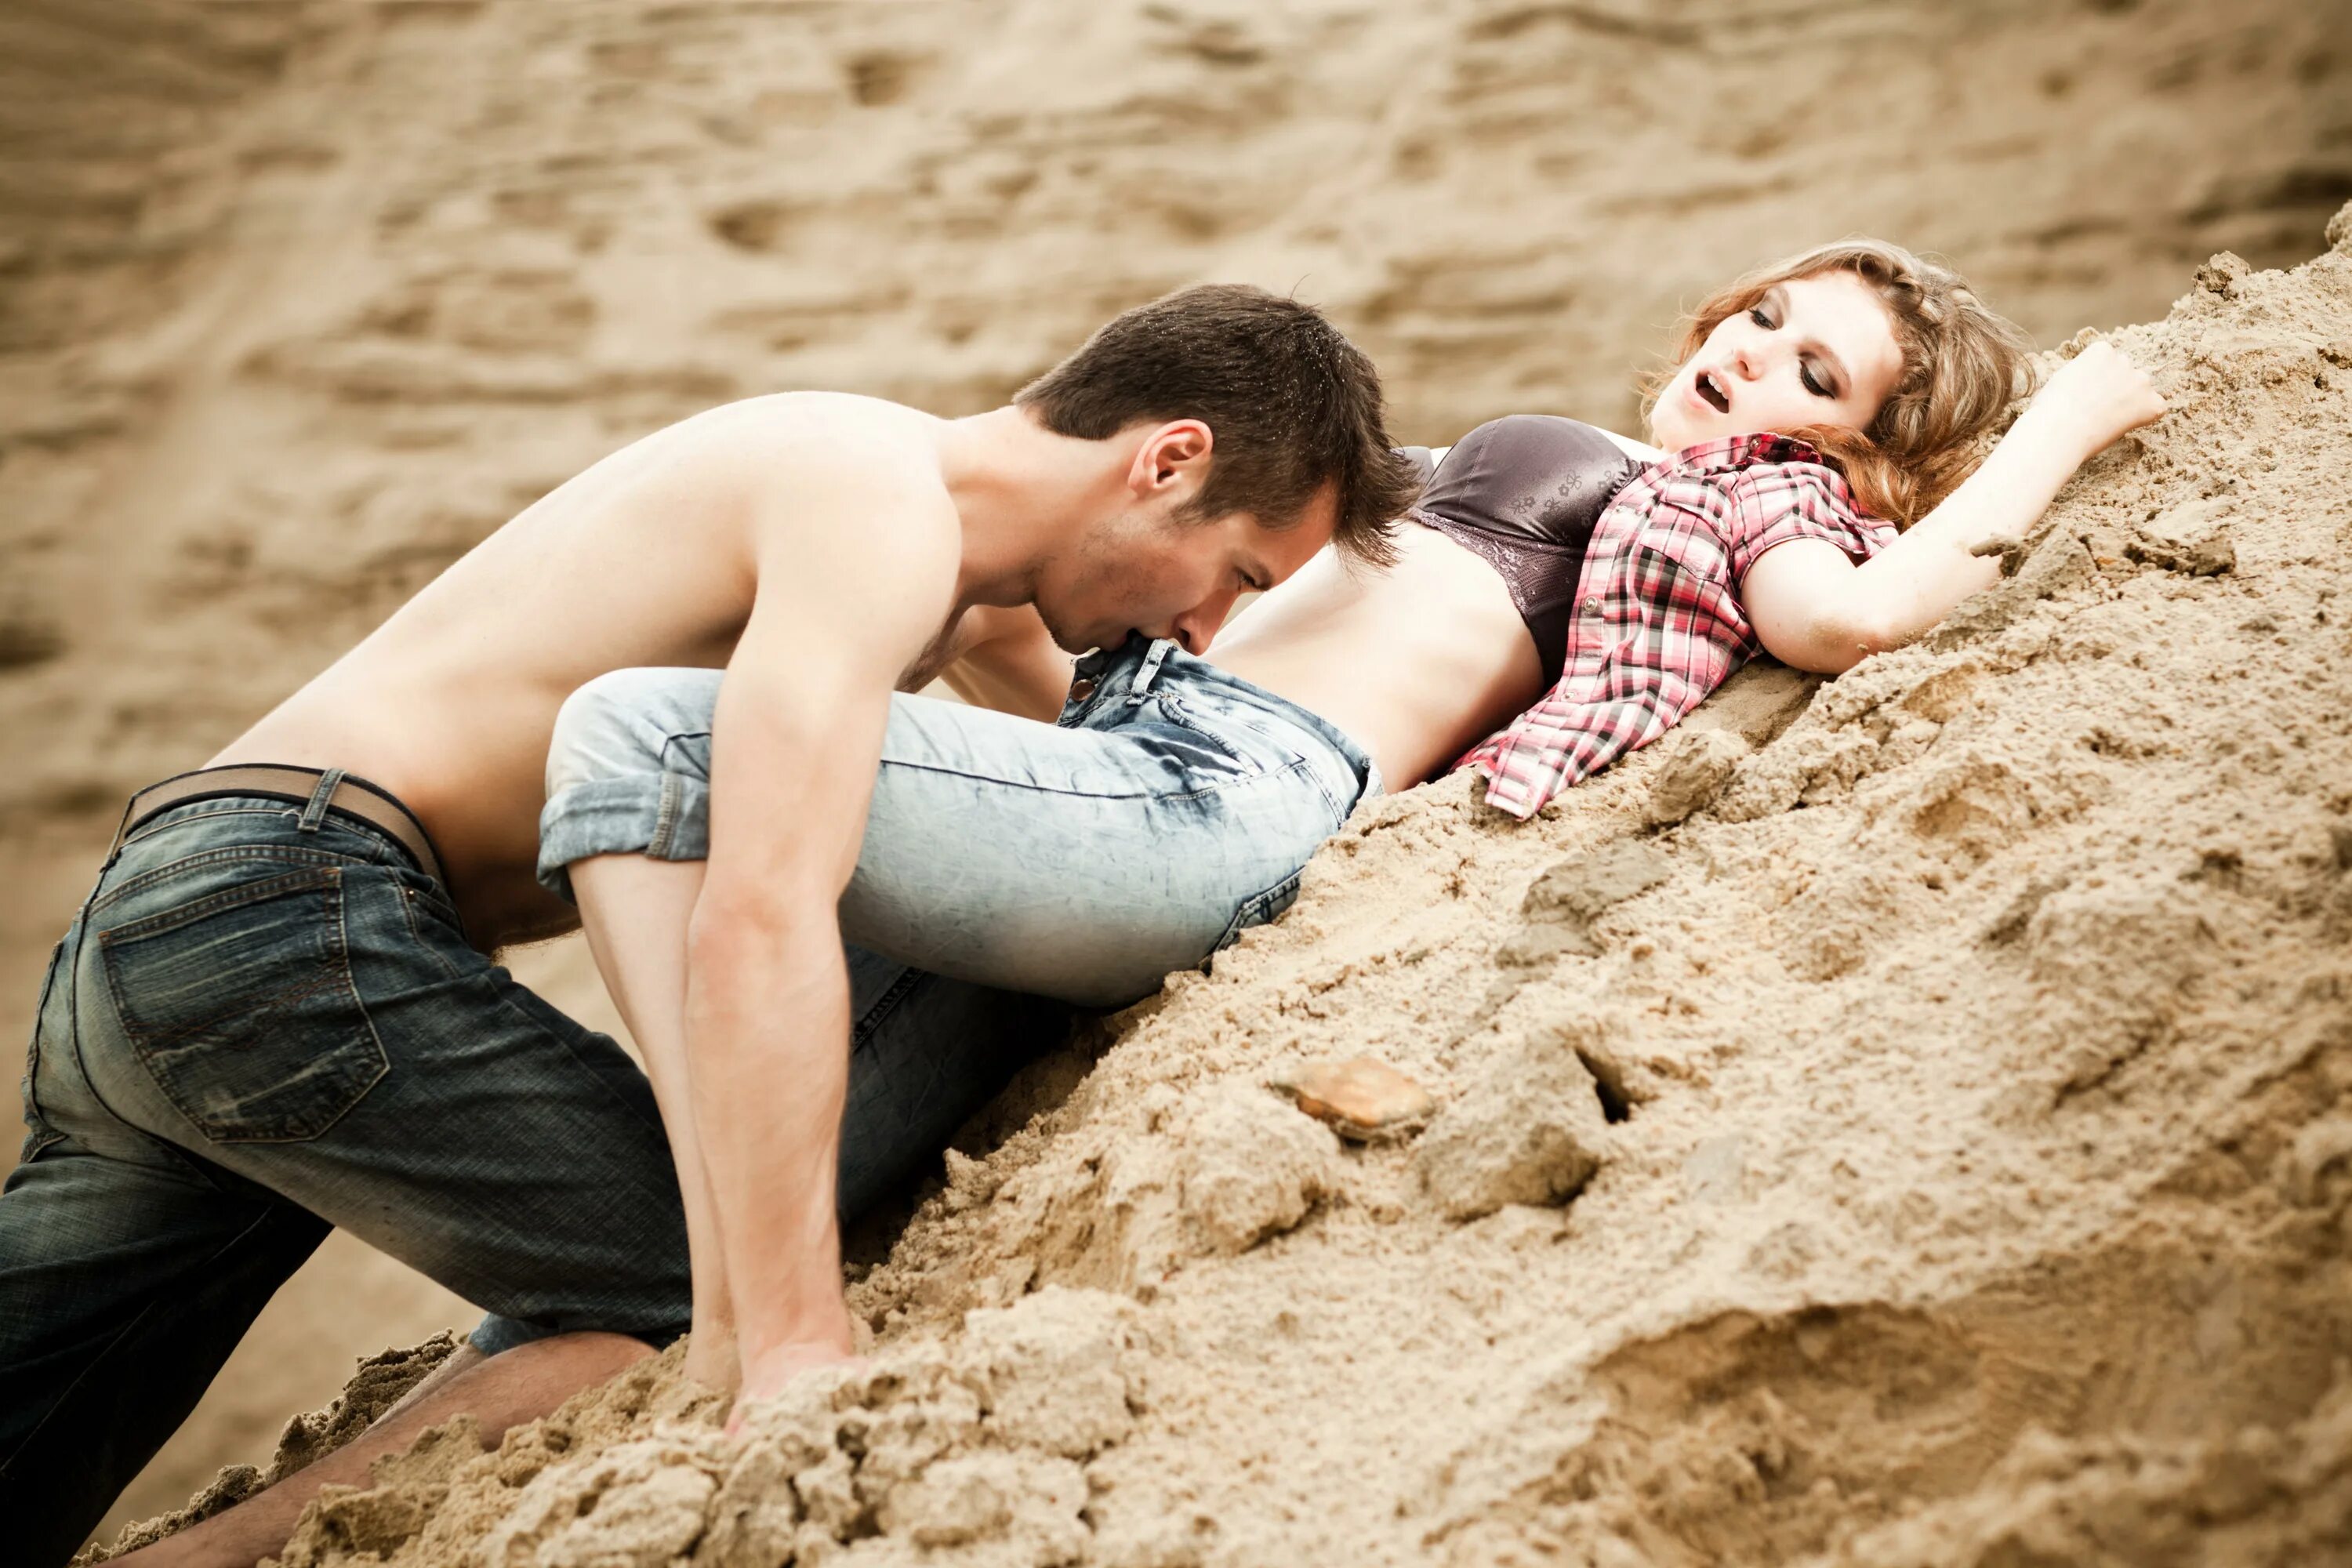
(2099, 395)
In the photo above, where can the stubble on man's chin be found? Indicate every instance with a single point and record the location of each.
(1082, 637)
(1071, 641)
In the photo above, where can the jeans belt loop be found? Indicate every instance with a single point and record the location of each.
(1149, 672)
(315, 810)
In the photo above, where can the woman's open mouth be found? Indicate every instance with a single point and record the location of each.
(1711, 390)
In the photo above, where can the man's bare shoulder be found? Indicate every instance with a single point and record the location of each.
(834, 438)
(816, 461)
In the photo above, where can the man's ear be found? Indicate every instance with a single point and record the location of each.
(1173, 454)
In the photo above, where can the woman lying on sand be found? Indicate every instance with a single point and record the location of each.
(1596, 590)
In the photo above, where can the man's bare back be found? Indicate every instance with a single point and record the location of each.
(648, 557)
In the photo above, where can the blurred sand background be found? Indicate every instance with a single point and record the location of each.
(299, 299)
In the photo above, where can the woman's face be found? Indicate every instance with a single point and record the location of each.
(1814, 352)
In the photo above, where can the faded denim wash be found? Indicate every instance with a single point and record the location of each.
(1173, 807)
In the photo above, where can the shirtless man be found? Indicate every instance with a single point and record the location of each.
(278, 1010)
(1177, 799)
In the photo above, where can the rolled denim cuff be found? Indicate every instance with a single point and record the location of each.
(665, 816)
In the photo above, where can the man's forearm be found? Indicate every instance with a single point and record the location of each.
(768, 1025)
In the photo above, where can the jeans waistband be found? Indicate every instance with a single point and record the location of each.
(317, 792)
(1133, 672)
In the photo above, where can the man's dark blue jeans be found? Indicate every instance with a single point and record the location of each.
(266, 1023)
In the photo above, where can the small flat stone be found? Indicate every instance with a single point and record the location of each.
(1360, 1097)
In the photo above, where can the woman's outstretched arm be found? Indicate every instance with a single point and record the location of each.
(1814, 609)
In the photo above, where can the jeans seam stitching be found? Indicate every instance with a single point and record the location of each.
(201, 815)
(1184, 718)
(214, 902)
(35, 1123)
(1261, 777)
(291, 855)
(666, 808)
(1235, 927)
(408, 907)
(886, 1003)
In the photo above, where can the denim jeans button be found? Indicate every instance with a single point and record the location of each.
(1082, 688)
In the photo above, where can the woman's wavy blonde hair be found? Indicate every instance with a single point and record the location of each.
(1962, 367)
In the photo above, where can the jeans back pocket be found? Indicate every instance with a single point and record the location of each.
(239, 1004)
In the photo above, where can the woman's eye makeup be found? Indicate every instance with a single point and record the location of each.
(1762, 316)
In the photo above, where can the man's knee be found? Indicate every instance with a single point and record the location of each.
(495, 1335)
(628, 772)
(625, 723)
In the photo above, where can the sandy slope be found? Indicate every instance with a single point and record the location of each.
(1939, 1139)
(299, 298)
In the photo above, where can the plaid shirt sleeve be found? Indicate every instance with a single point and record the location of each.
(1659, 625)
(1774, 505)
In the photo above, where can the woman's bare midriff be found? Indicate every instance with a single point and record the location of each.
(1416, 664)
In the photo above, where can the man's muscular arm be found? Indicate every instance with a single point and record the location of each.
(796, 739)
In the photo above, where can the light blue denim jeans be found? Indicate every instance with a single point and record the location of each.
(1171, 807)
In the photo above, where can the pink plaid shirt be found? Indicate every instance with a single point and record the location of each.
(1658, 623)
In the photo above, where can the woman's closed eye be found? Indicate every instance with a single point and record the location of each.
(1762, 316)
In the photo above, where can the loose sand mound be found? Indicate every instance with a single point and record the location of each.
(1930, 1144)
(299, 299)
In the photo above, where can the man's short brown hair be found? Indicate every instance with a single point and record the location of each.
(1291, 403)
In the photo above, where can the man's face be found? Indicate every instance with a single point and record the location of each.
(1147, 568)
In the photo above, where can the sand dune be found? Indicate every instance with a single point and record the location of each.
(1984, 1048)
(1927, 1140)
